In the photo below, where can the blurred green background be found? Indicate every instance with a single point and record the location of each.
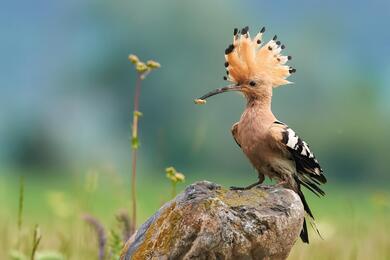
(66, 107)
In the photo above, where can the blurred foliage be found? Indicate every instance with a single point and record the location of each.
(71, 108)
(353, 222)
(175, 177)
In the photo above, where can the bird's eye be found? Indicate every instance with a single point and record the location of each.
(252, 83)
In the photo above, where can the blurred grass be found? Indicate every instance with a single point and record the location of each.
(354, 221)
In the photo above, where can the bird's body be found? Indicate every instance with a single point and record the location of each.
(271, 146)
(259, 134)
(277, 152)
(253, 135)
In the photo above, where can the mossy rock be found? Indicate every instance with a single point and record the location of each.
(207, 221)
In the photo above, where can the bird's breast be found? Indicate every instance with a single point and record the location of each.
(253, 135)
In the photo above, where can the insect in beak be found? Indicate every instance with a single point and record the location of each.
(202, 99)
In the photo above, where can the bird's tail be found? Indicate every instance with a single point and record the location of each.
(304, 233)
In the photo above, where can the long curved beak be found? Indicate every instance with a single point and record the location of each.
(217, 91)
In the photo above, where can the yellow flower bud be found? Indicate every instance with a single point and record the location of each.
(141, 67)
(173, 175)
(170, 173)
(170, 170)
(179, 177)
(133, 59)
(153, 64)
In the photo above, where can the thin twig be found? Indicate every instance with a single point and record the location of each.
(20, 210)
(134, 152)
(173, 195)
(133, 192)
(21, 200)
(143, 69)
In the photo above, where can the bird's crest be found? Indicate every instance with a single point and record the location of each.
(248, 59)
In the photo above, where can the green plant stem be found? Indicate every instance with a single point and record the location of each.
(133, 192)
(21, 201)
(36, 240)
(173, 189)
(20, 210)
(134, 153)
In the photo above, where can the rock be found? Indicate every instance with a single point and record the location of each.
(207, 221)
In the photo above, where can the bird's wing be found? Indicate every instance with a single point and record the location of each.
(234, 133)
(308, 168)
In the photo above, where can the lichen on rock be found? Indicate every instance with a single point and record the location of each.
(207, 221)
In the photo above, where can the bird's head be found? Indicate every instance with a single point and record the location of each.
(252, 67)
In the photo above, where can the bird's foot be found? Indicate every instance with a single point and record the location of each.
(238, 188)
(247, 187)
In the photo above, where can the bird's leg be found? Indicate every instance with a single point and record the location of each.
(281, 183)
(245, 188)
(260, 181)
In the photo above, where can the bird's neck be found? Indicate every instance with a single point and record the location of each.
(256, 119)
(261, 101)
(258, 108)
(263, 104)
(260, 111)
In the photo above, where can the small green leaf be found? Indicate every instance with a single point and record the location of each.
(115, 244)
(134, 143)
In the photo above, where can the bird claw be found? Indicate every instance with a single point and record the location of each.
(246, 188)
(238, 188)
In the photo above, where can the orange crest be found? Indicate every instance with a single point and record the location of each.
(249, 59)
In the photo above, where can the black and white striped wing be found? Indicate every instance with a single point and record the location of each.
(309, 169)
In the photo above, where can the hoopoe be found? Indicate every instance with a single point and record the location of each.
(273, 148)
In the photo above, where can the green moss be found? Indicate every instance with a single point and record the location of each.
(234, 199)
(165, 237)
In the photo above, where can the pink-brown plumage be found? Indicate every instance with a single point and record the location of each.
(272, 147)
